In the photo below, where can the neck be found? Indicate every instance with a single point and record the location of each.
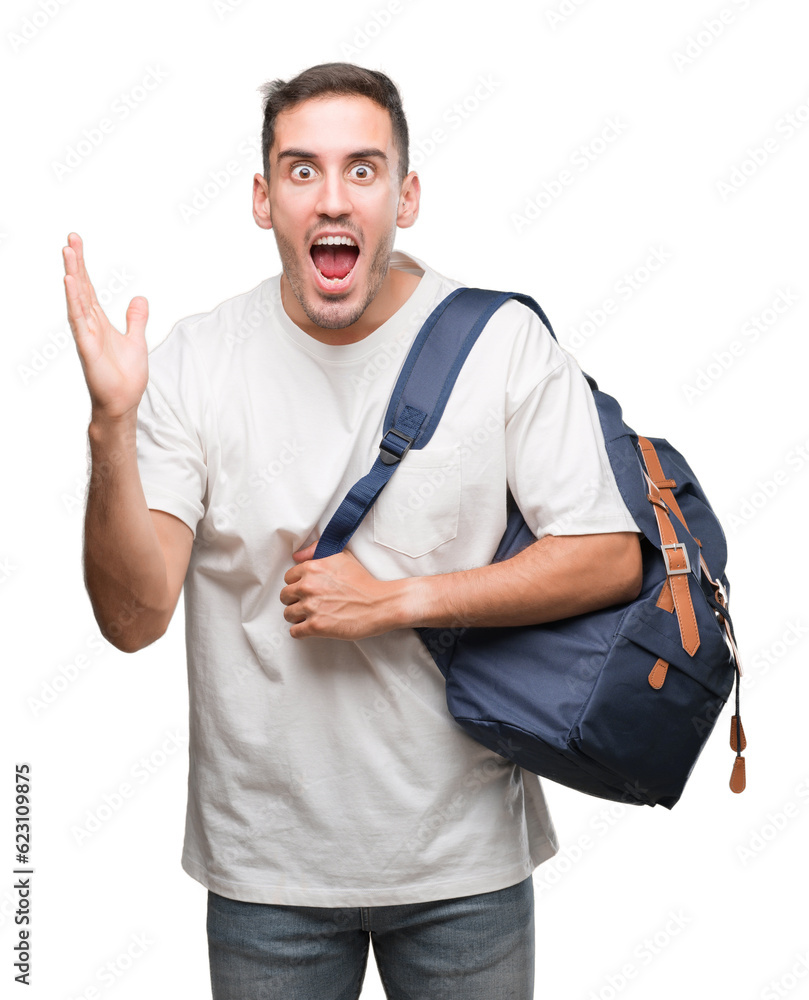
(396, 289)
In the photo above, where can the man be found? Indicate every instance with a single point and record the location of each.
(331, 795)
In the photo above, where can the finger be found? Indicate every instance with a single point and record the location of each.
(75, 311)
(301, 629)
(288, 596)
(78, 248)
(72, 268)
(293, 616)
(303, 555)
(71, 265)
(137, 314)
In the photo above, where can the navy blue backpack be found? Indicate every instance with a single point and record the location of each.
(619, 702)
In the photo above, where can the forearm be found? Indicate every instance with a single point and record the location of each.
(556, 577)
(124, 566)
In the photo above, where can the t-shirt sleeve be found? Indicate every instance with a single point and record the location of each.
(170, 444)
(558, 469)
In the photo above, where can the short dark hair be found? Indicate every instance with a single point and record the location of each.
(335, 78)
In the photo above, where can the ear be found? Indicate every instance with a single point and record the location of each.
(261, 202)
(409, 196)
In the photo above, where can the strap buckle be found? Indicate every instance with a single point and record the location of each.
(389, 450)
(667, 560)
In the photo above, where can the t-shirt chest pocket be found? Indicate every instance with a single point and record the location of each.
(418, 509)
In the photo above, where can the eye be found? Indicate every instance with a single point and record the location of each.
(302, 172)
(362, 171)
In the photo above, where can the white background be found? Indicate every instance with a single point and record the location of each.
(691, 104)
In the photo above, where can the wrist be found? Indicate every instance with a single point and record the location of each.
(406, 602)
(104, 427)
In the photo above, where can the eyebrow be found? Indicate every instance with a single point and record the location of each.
(303, 154)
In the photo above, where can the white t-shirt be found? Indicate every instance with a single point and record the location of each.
(327, 772)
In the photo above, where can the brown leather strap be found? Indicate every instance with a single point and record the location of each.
(736, 726)
(664, 599)
(665, 485)
(677, 564)
(721, 598)
(737, 776)
(676, 591)
(662, 499)
(656, 474)
(657, 674)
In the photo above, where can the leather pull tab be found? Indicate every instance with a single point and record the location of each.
(737, 777)
(658, 674)
(733, 733)
(664, 599)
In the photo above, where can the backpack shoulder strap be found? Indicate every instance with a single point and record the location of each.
(419, 397)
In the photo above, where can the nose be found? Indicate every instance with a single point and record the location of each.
(333, 196)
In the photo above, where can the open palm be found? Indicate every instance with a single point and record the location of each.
(115, 365)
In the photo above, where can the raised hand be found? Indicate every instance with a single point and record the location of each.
(115, 365)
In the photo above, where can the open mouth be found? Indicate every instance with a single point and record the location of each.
(334, 258)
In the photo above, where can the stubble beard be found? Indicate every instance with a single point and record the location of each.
(334, 314)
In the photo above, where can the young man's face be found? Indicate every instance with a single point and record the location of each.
(334, 173)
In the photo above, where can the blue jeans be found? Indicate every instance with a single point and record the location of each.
(468, 948)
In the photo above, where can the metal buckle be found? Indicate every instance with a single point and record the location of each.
(669, 570)
(390, 457)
